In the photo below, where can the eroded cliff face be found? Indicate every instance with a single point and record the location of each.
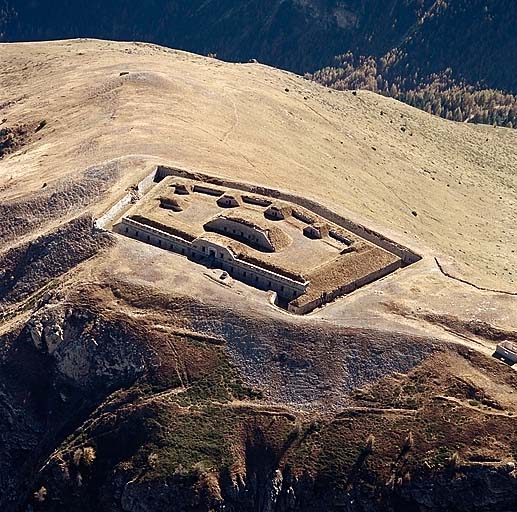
(85, 350)
(110, 406)
(55, 370)
(270, 484)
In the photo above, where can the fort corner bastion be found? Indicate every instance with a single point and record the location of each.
(304, 253)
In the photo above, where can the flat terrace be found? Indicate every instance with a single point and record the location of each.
(270, 244)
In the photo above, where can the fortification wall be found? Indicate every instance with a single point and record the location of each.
(242, 270)
(134, 229)
(307, 307)
(114, 211)
(122, 204)
(144, 185)
(407, 256)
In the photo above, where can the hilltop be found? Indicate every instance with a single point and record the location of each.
(380, 159)
(131, 378)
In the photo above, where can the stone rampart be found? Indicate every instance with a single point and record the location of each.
(309, 306)
(118, 208)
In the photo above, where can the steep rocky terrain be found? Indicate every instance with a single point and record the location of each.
(131, 380)
(127, 415)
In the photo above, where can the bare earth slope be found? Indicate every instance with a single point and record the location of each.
(373, 156)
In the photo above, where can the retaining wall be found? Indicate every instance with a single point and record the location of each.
(114, 211)
(142, 187)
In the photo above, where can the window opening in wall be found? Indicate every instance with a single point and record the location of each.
(221, 255)
(256, 278)
(136, 234)
(148, 238)
(269, 283)
(244, 273)
(127, 229)
(182, 251)
(203, 248)
(160, 243)
(282, 288)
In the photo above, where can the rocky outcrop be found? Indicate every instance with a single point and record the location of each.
(87, 351)
(53, 373)
(46, 328)
(471, 489)
(476, 490)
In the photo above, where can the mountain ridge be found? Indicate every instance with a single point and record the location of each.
(300, 36)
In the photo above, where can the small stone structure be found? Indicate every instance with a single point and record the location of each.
(318, 230)
(208, 190)
(338, 235)
(507, 350)
(229, 201)
(171, 203)
(256, 200)
(278, 211)
(182, 188)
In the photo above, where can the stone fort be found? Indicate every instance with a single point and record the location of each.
(302, 252)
